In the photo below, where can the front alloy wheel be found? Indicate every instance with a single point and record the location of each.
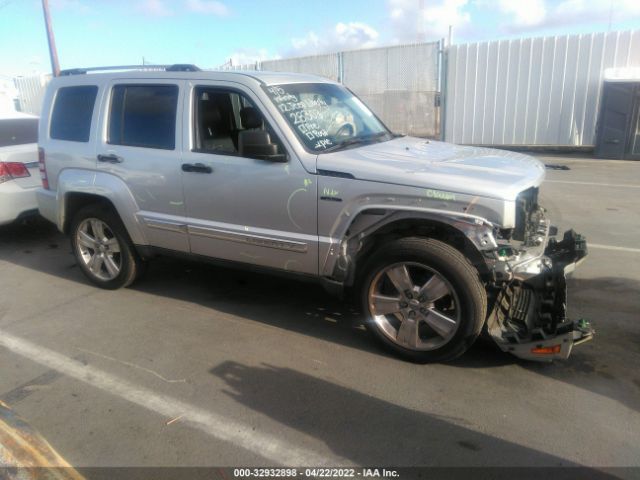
(424, 300)
(414, 306)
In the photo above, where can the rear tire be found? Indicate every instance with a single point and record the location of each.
(103, 249)
(423, 300)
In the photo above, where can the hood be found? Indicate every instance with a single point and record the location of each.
(443, 166)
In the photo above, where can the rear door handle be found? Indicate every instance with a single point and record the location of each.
(110, 158)
(196, 168)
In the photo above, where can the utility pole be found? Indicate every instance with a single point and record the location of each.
(53, 53)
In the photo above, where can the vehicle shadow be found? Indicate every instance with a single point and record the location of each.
(358, 427)
(606, 366)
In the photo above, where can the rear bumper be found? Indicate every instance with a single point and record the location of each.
(47, 202)
(16, 202)
(529, 318)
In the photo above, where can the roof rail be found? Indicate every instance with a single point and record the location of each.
(178, 67)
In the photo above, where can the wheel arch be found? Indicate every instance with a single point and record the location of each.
(78, 188)
(467, 235)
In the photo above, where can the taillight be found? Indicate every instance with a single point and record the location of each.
(12, 170)
(43, 169)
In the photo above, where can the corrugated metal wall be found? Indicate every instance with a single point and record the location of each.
(532, 91)
(31, 92)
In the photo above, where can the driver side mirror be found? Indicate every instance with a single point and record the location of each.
(257, 144)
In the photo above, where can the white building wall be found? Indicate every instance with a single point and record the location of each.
(31, 92)
(532, 91)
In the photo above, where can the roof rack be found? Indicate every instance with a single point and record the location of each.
(178, 67)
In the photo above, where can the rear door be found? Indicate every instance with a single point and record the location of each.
(140, 144)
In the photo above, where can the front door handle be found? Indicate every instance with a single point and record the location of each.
(196, 168)
(110, 158)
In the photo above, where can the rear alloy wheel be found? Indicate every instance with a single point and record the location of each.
(424, 300)
(103, 249)
(99, 249)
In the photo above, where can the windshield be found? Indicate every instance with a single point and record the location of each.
(327, 117)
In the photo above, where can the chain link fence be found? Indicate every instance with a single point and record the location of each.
(323, 65)
(400, 83)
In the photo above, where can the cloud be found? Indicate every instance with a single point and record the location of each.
(212, 7)
(249, 56)
(539, 14)
(410, 23)
(155, 8)
(524, 14)
(344, 36)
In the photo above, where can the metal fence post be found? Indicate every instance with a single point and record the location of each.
(443, 67)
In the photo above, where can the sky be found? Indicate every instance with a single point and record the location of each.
(210, 33)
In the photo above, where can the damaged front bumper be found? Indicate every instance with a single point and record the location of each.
(528, 318)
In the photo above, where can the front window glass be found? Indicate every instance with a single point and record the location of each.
(327, 117)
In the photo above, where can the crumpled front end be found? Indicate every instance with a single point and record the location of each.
(529, 314)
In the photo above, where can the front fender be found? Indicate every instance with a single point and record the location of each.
(103, 185)
(338, 261)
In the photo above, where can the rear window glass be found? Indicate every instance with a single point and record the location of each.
(72, 112)
(18, 131)
(144, 116)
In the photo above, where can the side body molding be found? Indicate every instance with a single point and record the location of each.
(111, 187)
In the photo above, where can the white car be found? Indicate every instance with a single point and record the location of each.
(19, 171)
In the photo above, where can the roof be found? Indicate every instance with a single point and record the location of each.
(264, 77)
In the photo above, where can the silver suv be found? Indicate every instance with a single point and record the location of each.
(293, 173)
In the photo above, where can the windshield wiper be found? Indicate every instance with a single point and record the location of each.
(353, 141)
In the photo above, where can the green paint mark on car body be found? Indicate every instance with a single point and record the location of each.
(440, 195)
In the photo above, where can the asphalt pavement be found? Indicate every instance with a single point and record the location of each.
(201, 366)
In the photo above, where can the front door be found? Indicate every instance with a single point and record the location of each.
(248, 198)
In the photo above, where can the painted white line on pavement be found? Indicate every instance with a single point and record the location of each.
(612, 247)
(623, 185)
(215, 425)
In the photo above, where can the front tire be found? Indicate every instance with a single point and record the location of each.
(424, 300)
(103, 249)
